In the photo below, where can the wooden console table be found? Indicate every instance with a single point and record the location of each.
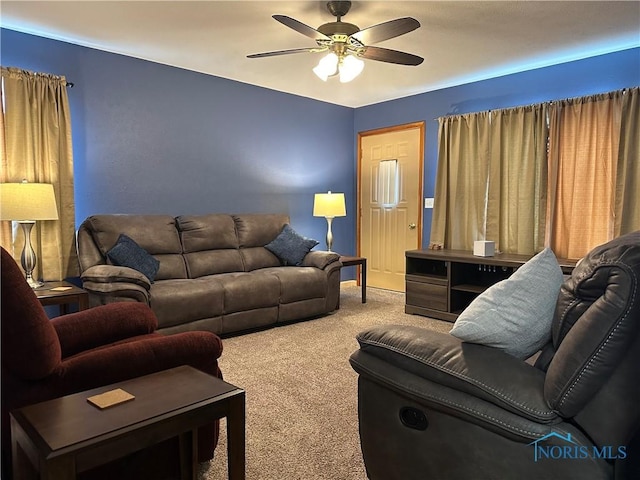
(442, 283)
(68, 435)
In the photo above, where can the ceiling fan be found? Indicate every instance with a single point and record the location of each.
(346, 44)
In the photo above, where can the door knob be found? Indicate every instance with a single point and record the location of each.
(412, 226)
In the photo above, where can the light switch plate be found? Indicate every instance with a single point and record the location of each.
(428, 203)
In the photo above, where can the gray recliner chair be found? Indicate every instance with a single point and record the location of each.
(435, 408)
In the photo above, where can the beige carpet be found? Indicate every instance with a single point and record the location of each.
(302, 419)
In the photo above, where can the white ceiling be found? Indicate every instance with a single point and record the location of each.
(461, 41)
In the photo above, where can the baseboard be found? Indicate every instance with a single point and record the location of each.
(348, 283)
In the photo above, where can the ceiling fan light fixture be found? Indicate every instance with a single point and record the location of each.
(327, 66)
(347, 44)
(350, 68)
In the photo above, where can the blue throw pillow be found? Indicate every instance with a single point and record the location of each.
(127, 253)
(290, 247)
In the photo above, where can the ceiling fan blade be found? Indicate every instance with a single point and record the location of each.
(386, 30)
(301, 27)
(391, 56)
(282, 52)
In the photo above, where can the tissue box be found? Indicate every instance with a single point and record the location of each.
(482, 248)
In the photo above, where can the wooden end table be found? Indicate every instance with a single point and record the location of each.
(362, 263)
(68, 435)
(62, 294)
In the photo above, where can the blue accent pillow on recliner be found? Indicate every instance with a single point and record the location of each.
(127, 253)
(290, 247)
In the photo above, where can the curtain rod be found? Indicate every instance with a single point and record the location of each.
(548, 102)
(29, 72)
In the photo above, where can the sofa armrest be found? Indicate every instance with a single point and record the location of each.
(108, 283)
(321, 259)
(484, 372)
(114, 274)
(103, 325)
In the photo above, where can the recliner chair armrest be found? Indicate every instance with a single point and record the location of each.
(421, 392)
(321, 259)
(138, 357)
(483, 372)
(103, 325)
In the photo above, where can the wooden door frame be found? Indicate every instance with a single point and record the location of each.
(378, 131)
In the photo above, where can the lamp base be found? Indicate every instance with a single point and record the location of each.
(329, 234)
(34, 284)
(28, 257)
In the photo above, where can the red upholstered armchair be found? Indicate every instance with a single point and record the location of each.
(44, 359)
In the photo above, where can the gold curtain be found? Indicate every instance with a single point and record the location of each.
(517, 185)
(38, 148)
(627, 199)
(564, 175)
(5, 226)
(583, 158)
(460, 193)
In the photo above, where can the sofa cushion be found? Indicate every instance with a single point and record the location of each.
(127, 253)
(311, 307)
(207, 232)
(185, 300)
(171, 266)
(211, 262)
(291, 247)
(515, 314)
(256, 230)
(250, 319)
(299, 283)
(249, 291)
(210, 244)
(157, 234)
(254, 258)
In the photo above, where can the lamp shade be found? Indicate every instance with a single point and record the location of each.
(329, 205)
(27, 201)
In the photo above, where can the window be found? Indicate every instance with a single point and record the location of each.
(389, 183)
(563, 174)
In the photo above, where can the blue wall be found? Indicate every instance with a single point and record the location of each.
(149, 138)
(573, 79)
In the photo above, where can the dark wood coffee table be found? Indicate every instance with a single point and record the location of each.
(68, 435)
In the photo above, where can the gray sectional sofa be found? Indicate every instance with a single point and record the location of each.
(214, 272)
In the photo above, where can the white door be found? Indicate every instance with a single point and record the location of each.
(390, 184)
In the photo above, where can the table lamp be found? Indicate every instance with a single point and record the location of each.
(329, 205)
(27, 203)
